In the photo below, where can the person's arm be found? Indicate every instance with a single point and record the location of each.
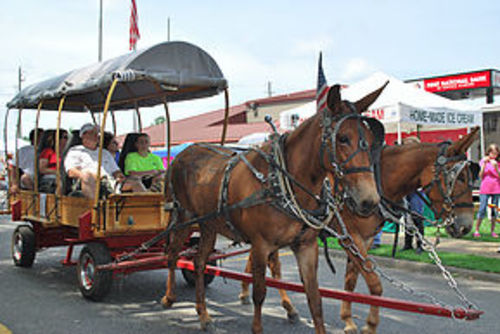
(482, 163)
(119, 177)
(152, 172)
(71, 165)
(495, 165)
(75, 173)
(14, 185)
(44, 167)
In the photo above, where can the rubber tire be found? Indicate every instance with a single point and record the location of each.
(26, 255)
(94, 254)
(190, 277)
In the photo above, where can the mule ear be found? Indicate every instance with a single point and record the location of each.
(333, 99)
(367, 101)
(463, 144)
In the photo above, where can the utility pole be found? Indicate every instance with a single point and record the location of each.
(20, 79)
(269, 90)
(168, 29)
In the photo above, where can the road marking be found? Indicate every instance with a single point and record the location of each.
(4, 330)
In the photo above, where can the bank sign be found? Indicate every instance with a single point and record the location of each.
(460, 81)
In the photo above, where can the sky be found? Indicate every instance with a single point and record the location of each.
(253, 42)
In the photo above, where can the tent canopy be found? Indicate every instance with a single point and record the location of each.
(174, 71)
(400, 105)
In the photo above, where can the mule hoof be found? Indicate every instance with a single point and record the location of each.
(350, 330)
(167, 302)
(293, 317)
(368, 330)
(209, 327)
(245, 300)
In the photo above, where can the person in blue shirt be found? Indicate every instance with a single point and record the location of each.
(415, 204)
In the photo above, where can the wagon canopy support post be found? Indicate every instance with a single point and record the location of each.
(168, 135)
(37, 123)
(138, 115)
(5, 127)
(58, 153)
(226, 116)
(18, 134)
(113, 122)
(101, 143)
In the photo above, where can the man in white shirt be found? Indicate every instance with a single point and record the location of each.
(82, 160)
(26, 164)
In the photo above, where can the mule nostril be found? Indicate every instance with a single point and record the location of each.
(367, 206)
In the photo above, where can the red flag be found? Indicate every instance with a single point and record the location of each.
(134, 27)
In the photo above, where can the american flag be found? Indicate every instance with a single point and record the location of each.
(134, 27)
(322, 89)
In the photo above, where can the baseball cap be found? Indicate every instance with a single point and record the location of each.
(87, 127)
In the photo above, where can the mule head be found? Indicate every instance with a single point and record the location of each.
(352, 142)
(451, 196)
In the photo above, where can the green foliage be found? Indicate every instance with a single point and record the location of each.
(159, 120)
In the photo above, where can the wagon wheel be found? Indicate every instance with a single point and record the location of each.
(23, 246)
(93, 284)
(189, 275)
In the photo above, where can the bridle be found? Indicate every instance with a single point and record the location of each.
(329, 143)
(445, 179)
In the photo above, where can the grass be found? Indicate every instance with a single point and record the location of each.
(458, 260)
(484, 229)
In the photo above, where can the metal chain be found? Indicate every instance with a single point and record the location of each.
(428, 247)
(431, 251)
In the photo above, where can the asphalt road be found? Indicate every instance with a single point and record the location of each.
(45, 299)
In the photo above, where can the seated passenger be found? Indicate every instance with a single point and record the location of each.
(111, 144)
(26, 168)
(81, 163)
(145, 165)
(48, 159)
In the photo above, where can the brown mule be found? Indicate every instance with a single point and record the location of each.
(403, 170)
(198, 172)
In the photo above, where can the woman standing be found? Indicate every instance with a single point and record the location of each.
(490, 187)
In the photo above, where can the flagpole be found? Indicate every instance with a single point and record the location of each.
(99, 56)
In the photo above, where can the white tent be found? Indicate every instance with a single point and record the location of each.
(401, 107)
(255, 138)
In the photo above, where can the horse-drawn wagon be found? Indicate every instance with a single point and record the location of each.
(112, 223)
(321, 177)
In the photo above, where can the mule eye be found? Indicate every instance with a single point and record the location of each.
(344, 139)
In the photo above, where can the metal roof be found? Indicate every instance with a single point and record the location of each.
(175, 71)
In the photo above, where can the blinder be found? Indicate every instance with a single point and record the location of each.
(378, 130)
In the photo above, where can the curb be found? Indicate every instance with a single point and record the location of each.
(427, 268)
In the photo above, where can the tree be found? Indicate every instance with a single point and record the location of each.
(159, 120)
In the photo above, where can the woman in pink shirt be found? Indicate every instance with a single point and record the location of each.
(490, 187)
